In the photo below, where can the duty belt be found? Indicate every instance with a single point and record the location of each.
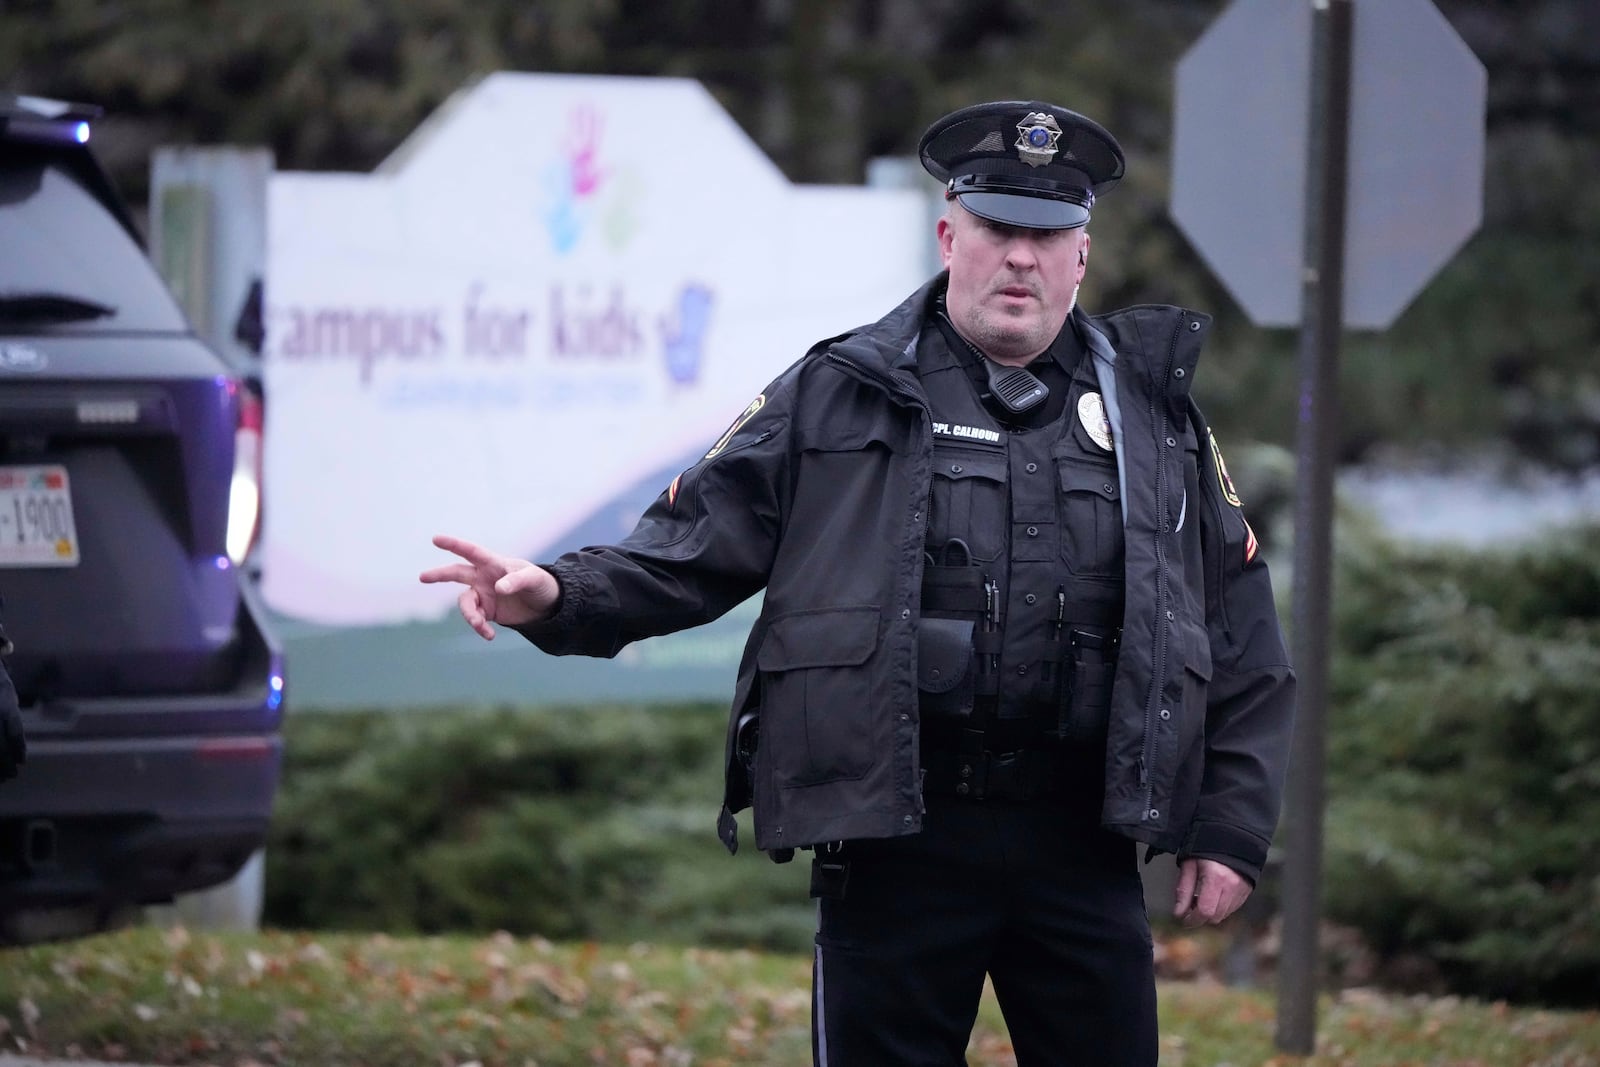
(972, 772)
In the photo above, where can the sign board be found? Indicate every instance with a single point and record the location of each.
(546, 303)
(1416, 154)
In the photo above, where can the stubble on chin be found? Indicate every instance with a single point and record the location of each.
(1002, 337)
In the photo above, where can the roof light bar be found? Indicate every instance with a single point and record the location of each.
(34, 118)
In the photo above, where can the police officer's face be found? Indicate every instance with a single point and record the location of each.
(1010, 288)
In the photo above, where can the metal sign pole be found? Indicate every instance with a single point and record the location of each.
(1321, 325)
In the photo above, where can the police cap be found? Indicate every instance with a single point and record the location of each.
(1023, 163)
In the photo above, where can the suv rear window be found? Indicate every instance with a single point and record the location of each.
(60, 245)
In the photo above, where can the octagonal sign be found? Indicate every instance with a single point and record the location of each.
(1416, 154)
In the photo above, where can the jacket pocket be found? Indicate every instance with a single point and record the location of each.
(1196, 683)
(1188, 759)
(816, 705)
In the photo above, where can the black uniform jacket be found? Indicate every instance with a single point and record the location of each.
(819, 493)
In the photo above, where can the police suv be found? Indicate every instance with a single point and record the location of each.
(151, 691)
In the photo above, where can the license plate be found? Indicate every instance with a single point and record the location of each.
(36, 527)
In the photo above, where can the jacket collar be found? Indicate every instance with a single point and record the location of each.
(1138, 337)
(890, 344)
(1145, 336)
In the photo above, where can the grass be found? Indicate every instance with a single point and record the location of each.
(175, 997)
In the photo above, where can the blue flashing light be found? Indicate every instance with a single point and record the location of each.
(42, 121)
(222, 563)
(275, 694)
(44, 131)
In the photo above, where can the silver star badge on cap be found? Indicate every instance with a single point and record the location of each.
(1037, 135)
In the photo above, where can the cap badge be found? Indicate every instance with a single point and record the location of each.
(1037, 135)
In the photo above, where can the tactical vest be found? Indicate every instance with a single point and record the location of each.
(1023, 573)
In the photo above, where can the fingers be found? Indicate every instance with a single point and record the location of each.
(522, 579)
(476, 556)
(1187, 873)
(1233, 900)
(499, 589)
(472, 611)
(1208, 892)
(450, 572)
(528, 591)
(481, 564)
(1207, 898)
(473, 553)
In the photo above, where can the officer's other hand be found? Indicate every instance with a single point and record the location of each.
(499, 589)
(1208, 892)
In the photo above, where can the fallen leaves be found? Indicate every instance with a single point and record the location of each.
(382, 1001)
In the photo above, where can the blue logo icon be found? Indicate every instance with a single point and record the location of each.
(683, 334)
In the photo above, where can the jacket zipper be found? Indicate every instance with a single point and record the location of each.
(1163, 620)
(889, 385)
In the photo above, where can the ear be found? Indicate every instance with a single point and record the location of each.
(946, 232)
(1083, 256)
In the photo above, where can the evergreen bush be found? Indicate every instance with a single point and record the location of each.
(1463, 784)
(571, 823)
(1464, 763)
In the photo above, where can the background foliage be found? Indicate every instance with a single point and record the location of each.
(1464, 777)
(1500, 351)
(592, 823)
(1464, 762)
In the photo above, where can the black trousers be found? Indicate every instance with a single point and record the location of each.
(1031, 893)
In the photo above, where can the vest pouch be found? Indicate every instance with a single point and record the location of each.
(967, 499)
(1092, 537)
(944, 667)
(1086, 692)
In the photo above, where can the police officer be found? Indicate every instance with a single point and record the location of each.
(1014, 624)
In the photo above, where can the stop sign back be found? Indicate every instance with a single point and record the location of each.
(1416, 154)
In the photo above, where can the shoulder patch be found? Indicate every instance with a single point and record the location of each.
(1229, 493)
(749, 412)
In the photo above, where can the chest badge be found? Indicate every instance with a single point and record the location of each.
(1092, 413)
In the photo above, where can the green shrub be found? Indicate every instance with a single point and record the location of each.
(1464, 762)
(563, 822)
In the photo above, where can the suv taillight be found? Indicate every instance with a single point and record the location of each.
(244, 495)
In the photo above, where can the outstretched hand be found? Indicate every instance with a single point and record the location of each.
(499, 589)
